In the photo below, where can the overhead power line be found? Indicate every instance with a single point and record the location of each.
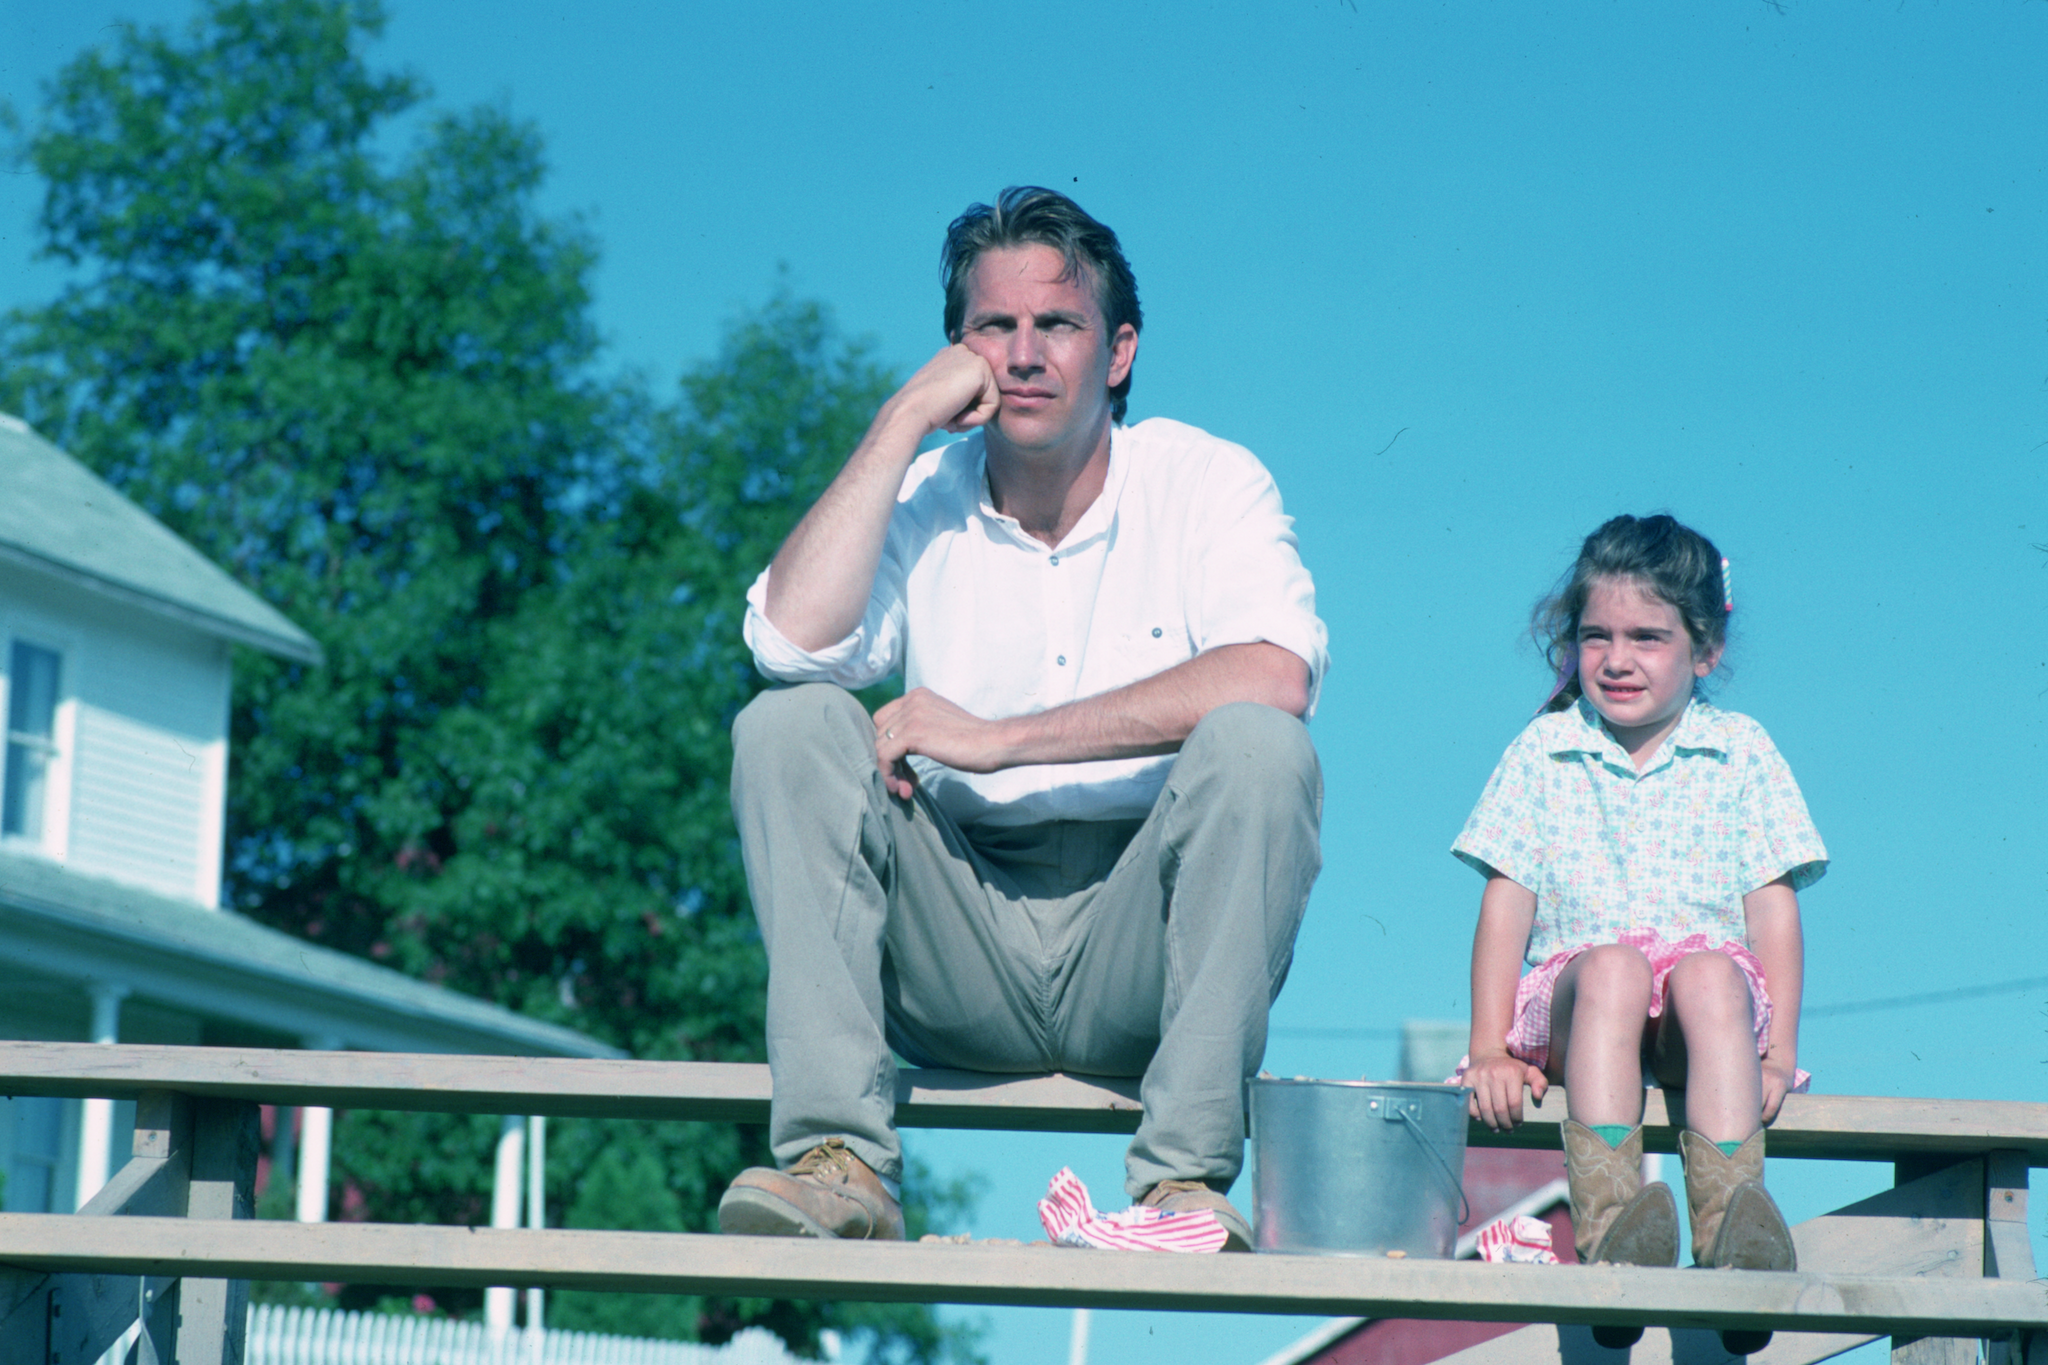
(1894, 1002)
(1889, 1002)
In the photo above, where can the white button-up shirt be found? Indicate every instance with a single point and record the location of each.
(1186, 549)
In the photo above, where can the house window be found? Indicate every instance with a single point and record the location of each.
(31, 739)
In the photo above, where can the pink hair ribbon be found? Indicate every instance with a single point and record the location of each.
(1565, 674)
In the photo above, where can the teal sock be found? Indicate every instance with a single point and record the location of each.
(1728, 1148)
(1613, 1133)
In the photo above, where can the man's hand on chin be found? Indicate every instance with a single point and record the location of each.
(953, 391)
(923, 722)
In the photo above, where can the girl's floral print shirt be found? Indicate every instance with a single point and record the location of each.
(1712, 817)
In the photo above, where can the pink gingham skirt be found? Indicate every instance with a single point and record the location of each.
(1529, 1036)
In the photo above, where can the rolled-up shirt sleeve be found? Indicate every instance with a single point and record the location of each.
(870, 654)
(1249, 582)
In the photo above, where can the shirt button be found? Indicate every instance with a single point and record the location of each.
(1055, 561)
(1155, 632)
(1063, 661)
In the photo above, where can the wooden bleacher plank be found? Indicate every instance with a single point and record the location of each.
(727, 1092)
(1033, 1104)
(371, 1253)
(1839, 1127)
(431, 1082)
(1833, 1127)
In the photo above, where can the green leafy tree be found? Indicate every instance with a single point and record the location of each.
(363, 391)
(366, 387)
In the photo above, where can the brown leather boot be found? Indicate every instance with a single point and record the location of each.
(829, 1192)
(1736, 1224)
(1192, 1196)
(1615, 1217)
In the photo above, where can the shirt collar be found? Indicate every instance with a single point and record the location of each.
(1703, 729)
(1101, 514)
(1096, 521)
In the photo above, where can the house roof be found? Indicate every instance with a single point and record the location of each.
(220, 965)
(59, 517)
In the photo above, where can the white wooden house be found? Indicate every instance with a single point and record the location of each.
(116, 641)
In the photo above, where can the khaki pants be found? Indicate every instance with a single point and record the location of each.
(1112, 948)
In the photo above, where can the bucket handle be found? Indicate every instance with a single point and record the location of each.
(1443, 1167)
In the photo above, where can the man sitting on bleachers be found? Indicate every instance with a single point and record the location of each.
(1083, 838)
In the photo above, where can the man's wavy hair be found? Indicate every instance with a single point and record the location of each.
(1026, 214)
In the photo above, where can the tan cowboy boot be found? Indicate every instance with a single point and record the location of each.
(1736, 1224)
(1192, 1196)
(829, 1192)
(1615, 1217)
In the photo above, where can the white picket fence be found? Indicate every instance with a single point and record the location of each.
(326, 1336)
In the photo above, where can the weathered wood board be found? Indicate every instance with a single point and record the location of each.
(557, 1087)
(942, 1273)
(1837, 1127)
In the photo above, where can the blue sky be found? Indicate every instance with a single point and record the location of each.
(1783, 273)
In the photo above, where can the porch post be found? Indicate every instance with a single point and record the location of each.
(316, 1146)
(499, 1300)
(536, 1217)
(96, 1116)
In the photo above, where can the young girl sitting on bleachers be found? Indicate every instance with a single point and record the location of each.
(1643, 851)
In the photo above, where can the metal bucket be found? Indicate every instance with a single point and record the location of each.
(1357, 1168)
